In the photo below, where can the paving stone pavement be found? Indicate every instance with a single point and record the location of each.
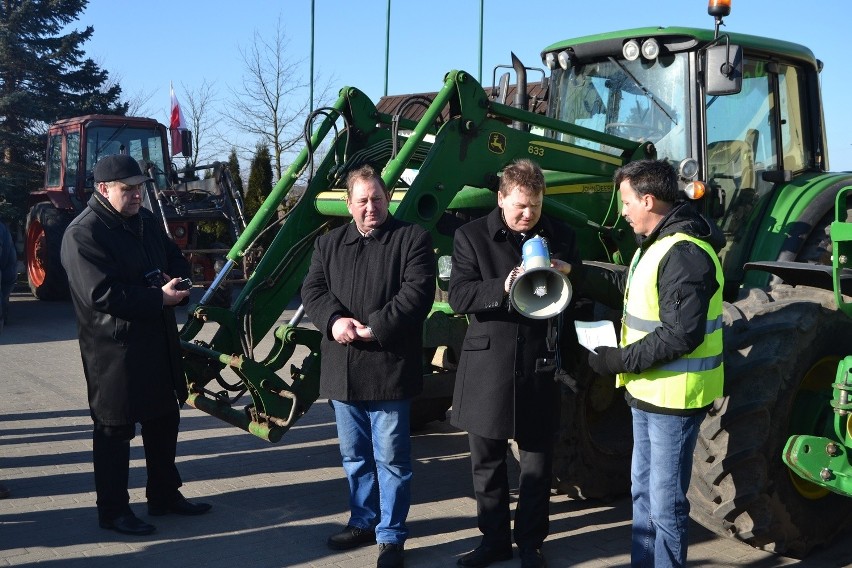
(274, 505)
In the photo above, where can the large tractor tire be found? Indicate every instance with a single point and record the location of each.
(592, 454)
(45, 274)
(781, 355)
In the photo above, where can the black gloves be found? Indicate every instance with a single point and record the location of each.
(606, 361)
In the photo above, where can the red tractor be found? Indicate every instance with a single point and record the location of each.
(200, 207)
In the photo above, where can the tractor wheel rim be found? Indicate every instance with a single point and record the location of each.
(820, 375)
(36, 243)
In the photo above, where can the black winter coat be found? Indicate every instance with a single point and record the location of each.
(128, 339)
(497, 393)
(385, 281)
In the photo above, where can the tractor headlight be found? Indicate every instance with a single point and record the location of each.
(650, 49)
(631, 50)
(550, 61)
(688, 168)
(564, 58)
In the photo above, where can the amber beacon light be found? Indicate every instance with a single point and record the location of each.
(719, 8)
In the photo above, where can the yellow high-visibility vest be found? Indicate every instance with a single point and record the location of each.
(693, 380)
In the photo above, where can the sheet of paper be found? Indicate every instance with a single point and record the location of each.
(593, 334)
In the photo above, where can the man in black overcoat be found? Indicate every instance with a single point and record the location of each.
(128, 341)
(499, 395)
(369, 288)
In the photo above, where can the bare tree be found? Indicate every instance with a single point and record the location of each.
(272, 103)
(137, 103)
(199, 103)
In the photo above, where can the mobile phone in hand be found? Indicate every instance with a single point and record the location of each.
(183, 284)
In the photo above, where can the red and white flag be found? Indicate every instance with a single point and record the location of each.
(176, 124)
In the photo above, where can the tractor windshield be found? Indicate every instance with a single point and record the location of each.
(142, 144)
(638, 100)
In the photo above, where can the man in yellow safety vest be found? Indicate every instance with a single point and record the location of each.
(669, 357)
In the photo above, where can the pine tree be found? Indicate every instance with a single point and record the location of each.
(234, 168)
(260, 180)
(44, 76)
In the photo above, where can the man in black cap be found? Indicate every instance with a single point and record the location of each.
(122, 270)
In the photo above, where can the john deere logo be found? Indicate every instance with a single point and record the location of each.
(497, 143)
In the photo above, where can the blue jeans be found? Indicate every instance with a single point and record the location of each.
(660, 474)
(375, 444)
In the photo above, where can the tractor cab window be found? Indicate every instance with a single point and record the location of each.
(54, 161)
(638, 100)
(144, 145)
(72, 159)
(743, 133)
(741, 144)
(797, 153)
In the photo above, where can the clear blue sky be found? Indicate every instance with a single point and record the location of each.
(149, 43)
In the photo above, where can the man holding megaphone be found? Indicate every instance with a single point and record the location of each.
(508, 274)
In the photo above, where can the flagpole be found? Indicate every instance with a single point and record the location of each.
(312, 56)
(481, 17)
(387, 47)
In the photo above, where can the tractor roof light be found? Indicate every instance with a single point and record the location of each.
(631, 50)
(550, 61)
(719, 8)
(565, 59)
(695, 190)
(650, 49)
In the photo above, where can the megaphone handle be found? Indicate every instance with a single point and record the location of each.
(512, 276)
(553, 336)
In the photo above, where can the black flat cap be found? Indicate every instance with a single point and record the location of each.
(119, 167)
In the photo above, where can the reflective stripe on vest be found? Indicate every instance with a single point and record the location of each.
(693, 380)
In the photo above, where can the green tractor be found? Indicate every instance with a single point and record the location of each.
(739, 116)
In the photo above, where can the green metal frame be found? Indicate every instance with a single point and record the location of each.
(458, 171)
(824, 460)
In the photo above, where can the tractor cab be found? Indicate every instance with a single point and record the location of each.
(734, 113)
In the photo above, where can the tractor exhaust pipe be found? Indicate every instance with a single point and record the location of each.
(521, 95)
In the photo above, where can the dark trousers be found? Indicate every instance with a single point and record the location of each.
(111, 456)
(491, 487)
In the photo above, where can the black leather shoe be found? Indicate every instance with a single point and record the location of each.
(180, 506)
(351, 537)
(484, 555)
(390, 556)
(128, 524)
(532, 558)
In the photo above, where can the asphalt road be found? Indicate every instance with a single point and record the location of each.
(273, 504)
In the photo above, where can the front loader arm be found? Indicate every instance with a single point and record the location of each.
(473, 142)
(365, 137)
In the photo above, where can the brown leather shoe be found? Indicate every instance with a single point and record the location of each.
(351, 537)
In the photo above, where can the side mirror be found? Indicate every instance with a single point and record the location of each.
(186, 143)
(723, 71)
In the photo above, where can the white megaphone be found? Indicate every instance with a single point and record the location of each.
(540, 292)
